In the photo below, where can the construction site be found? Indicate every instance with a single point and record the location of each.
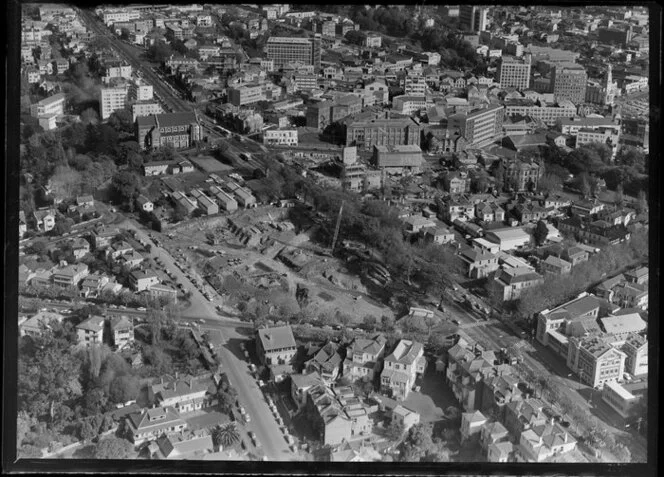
(256, 259)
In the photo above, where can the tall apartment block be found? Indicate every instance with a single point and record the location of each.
(479, 127)
(569, 82)
(111, 100)
(473, 18)
(283, 50)
(514, 72)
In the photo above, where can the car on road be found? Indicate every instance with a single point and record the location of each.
(243, 411)
(261, 383)
(247, 418)
(142, 308)
(456, 322)
(201, 320)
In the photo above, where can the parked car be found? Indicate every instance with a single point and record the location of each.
(142, 308)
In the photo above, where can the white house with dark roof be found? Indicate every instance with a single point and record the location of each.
(511, 282)
(140, 280)
(122, 331)
(363, 357)
(401, 368)
(91, 331)
(544, 441)
(153, 423)
(406, 417)
(186, 394)
(276, 347)
(36, 324)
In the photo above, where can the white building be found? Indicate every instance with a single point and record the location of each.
(46, 107)
(147, 108)
(280, 137)
(111, 100)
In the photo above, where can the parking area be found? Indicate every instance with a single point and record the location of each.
(433, 398)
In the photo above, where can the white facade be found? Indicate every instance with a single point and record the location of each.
(280, 137)
(145, 109)
(111, 100)
(46, 107)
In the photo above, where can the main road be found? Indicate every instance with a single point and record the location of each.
(236, 368)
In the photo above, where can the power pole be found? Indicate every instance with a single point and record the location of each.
(336, 228)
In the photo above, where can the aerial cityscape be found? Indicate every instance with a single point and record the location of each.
(333, 233)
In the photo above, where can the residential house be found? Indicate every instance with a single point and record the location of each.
(489, 212)
(493, 433)
(79, 248)
(555, 266)
(36, 324)
(638, 276)
(93, 284)
(159, 290)
(456, 182)
(326, 362)
(457, 209)
(480, 264)
(606, 289)
(70, 275)
(406, 417)
(586, 208)
(44, 219)
(102, 237)
(141, 280)
(438, 235)
(85, 201)
(636, 351)
(144, 203)
(186, 394)
(118, 249)
(91, 331)
(631, 295)
(511, 282)
(523, 415)
(574, 255)
(544, 441)
(401, 368)
(414, 224)
(499, 387)
(131, 259)
(300, 385)
(122, 331)
(501, 452)
(471, 425)
(327, 417)
(185, 445)
(355, 451)
(363, 357)
(153, 423)
(276, 347)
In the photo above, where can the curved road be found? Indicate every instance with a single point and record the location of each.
(250, 396)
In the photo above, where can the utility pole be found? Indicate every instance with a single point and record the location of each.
(336, 228)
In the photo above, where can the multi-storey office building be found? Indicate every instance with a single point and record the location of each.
(479, 127)
(514, 72)
(285, 50)
(569, 82)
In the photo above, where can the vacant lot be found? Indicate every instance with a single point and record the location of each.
(210, 164)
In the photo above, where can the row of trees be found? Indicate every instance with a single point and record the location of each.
(559, 289)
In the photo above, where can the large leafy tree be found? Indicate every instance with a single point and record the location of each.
(113, 448)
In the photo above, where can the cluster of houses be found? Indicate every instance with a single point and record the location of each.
(500, 412)
(105, 242)
(337, 414)
(605, 345)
